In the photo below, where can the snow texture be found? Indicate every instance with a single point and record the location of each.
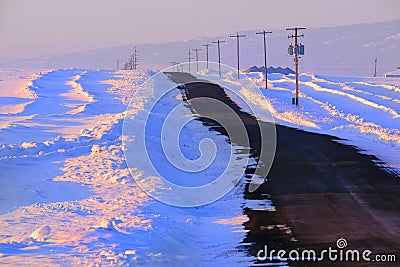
(67, 196)
(364, 112)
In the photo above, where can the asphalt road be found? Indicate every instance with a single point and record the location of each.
(322, 191)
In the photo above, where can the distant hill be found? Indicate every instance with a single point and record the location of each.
(343, 50)
(285, 71)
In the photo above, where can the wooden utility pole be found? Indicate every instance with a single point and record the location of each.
(376, 63)
(296, 58)
(206, 46)
(219, 54)
(135, 59)
(189, 59)
(264, 33)
(131, 62)
(197, 58)
(175, 64)
(237, 36)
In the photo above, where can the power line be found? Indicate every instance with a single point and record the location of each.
(175, 64)
(206, 46)
(135, 59)
(131, 62)
(264, 33)
(296, 50)
(219, 54)
(189, 58)
(237, 36)
(197, 58)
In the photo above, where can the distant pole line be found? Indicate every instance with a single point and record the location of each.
(131, 62)
(206, 46)
(189, 59)
(376, 63)
(197, 58)
(219, 54)
(135, 59)
(237, 36)
(264, 33)
(173, 65)
(296, 58)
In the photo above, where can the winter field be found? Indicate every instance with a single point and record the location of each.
(67, 196)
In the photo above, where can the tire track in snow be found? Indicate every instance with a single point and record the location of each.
(364, 119)
(387, 95)
(362, 100)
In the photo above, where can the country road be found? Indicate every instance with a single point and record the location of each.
(322, 190)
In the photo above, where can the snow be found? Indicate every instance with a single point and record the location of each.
(67, 193)
(193, 160)
(17, 82)
(362, 111)
(41, 233)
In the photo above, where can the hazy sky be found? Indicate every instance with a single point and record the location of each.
(35, 27)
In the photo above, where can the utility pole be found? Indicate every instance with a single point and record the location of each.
(219, 54)
(131, 62)
(237, 36)
(175, 64)
(189, 58)
(135, 59)
(296, 52)
(264, 33)
(197, 57)
(117, 64)
(206, 46)
(376, 63)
